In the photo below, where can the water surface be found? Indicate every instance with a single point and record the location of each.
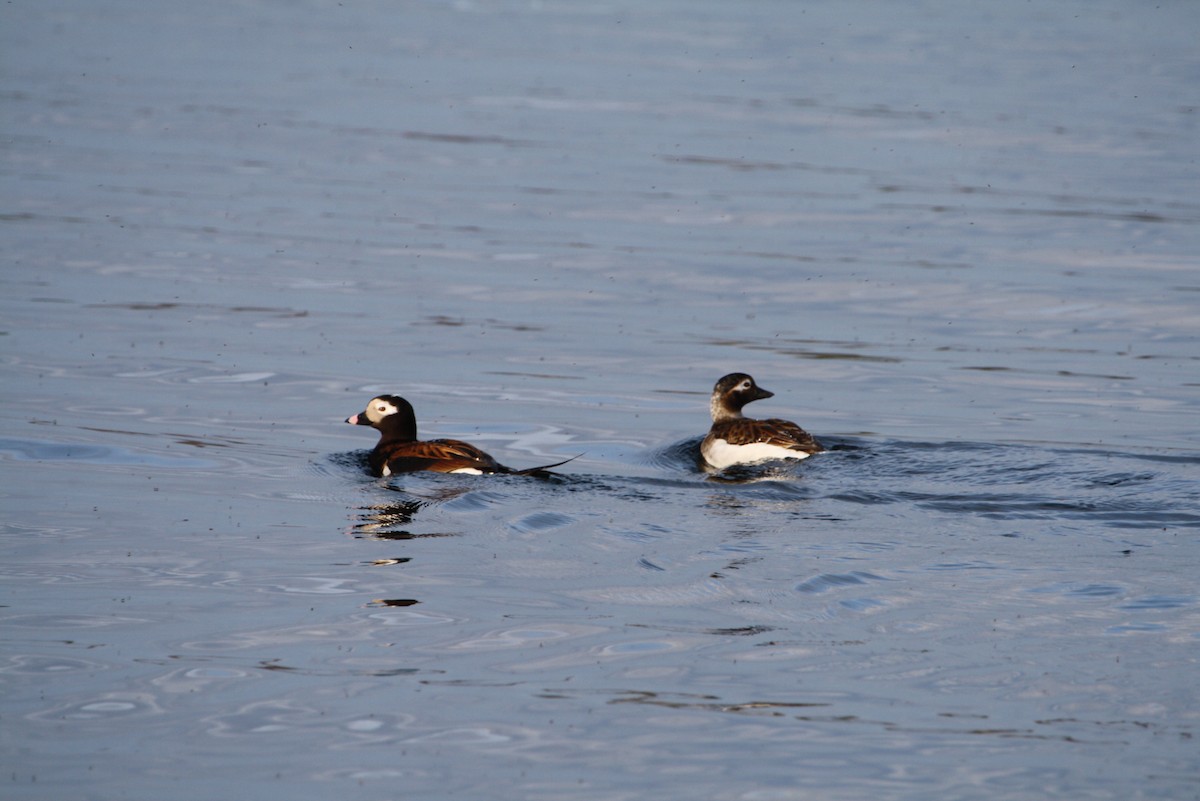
(959, 245)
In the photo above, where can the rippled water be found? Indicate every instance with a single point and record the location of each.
(959, 245)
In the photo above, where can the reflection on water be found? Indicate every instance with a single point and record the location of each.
(384, 520)
(389, 562)
(391, 521)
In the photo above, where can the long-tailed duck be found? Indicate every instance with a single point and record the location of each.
(399, 450)
(734, 439)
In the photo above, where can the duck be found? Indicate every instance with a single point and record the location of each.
(734, 439)
(399, 450)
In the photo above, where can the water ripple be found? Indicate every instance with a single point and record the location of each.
(833, 581)
(1015, 482)
(29, 450)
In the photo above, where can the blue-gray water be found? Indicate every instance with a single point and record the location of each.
(958, 242)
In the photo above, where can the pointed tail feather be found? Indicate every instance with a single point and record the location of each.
(543, 470)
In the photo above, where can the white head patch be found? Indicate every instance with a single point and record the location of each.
(378, 409)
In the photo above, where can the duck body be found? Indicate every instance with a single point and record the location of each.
(735, 439)
(399, 450)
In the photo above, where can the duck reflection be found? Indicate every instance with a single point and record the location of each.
(390, 521)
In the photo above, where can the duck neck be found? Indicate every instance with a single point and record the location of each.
(399, 429)
(720, 411)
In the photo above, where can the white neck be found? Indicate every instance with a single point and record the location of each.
(720, 412)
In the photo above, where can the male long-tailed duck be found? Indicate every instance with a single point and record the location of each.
(399, 450)
(734, 439)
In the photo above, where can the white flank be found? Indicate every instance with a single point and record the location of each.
(720, 454)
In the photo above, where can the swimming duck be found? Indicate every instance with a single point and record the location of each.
(734, 439)
(399, 450)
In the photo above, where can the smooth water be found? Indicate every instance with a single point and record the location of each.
(959, 244)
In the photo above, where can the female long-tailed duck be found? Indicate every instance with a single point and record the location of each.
(399, 450)
(734, 439)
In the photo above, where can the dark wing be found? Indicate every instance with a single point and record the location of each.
(787, 434)
(783, 433)
(438, 455)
